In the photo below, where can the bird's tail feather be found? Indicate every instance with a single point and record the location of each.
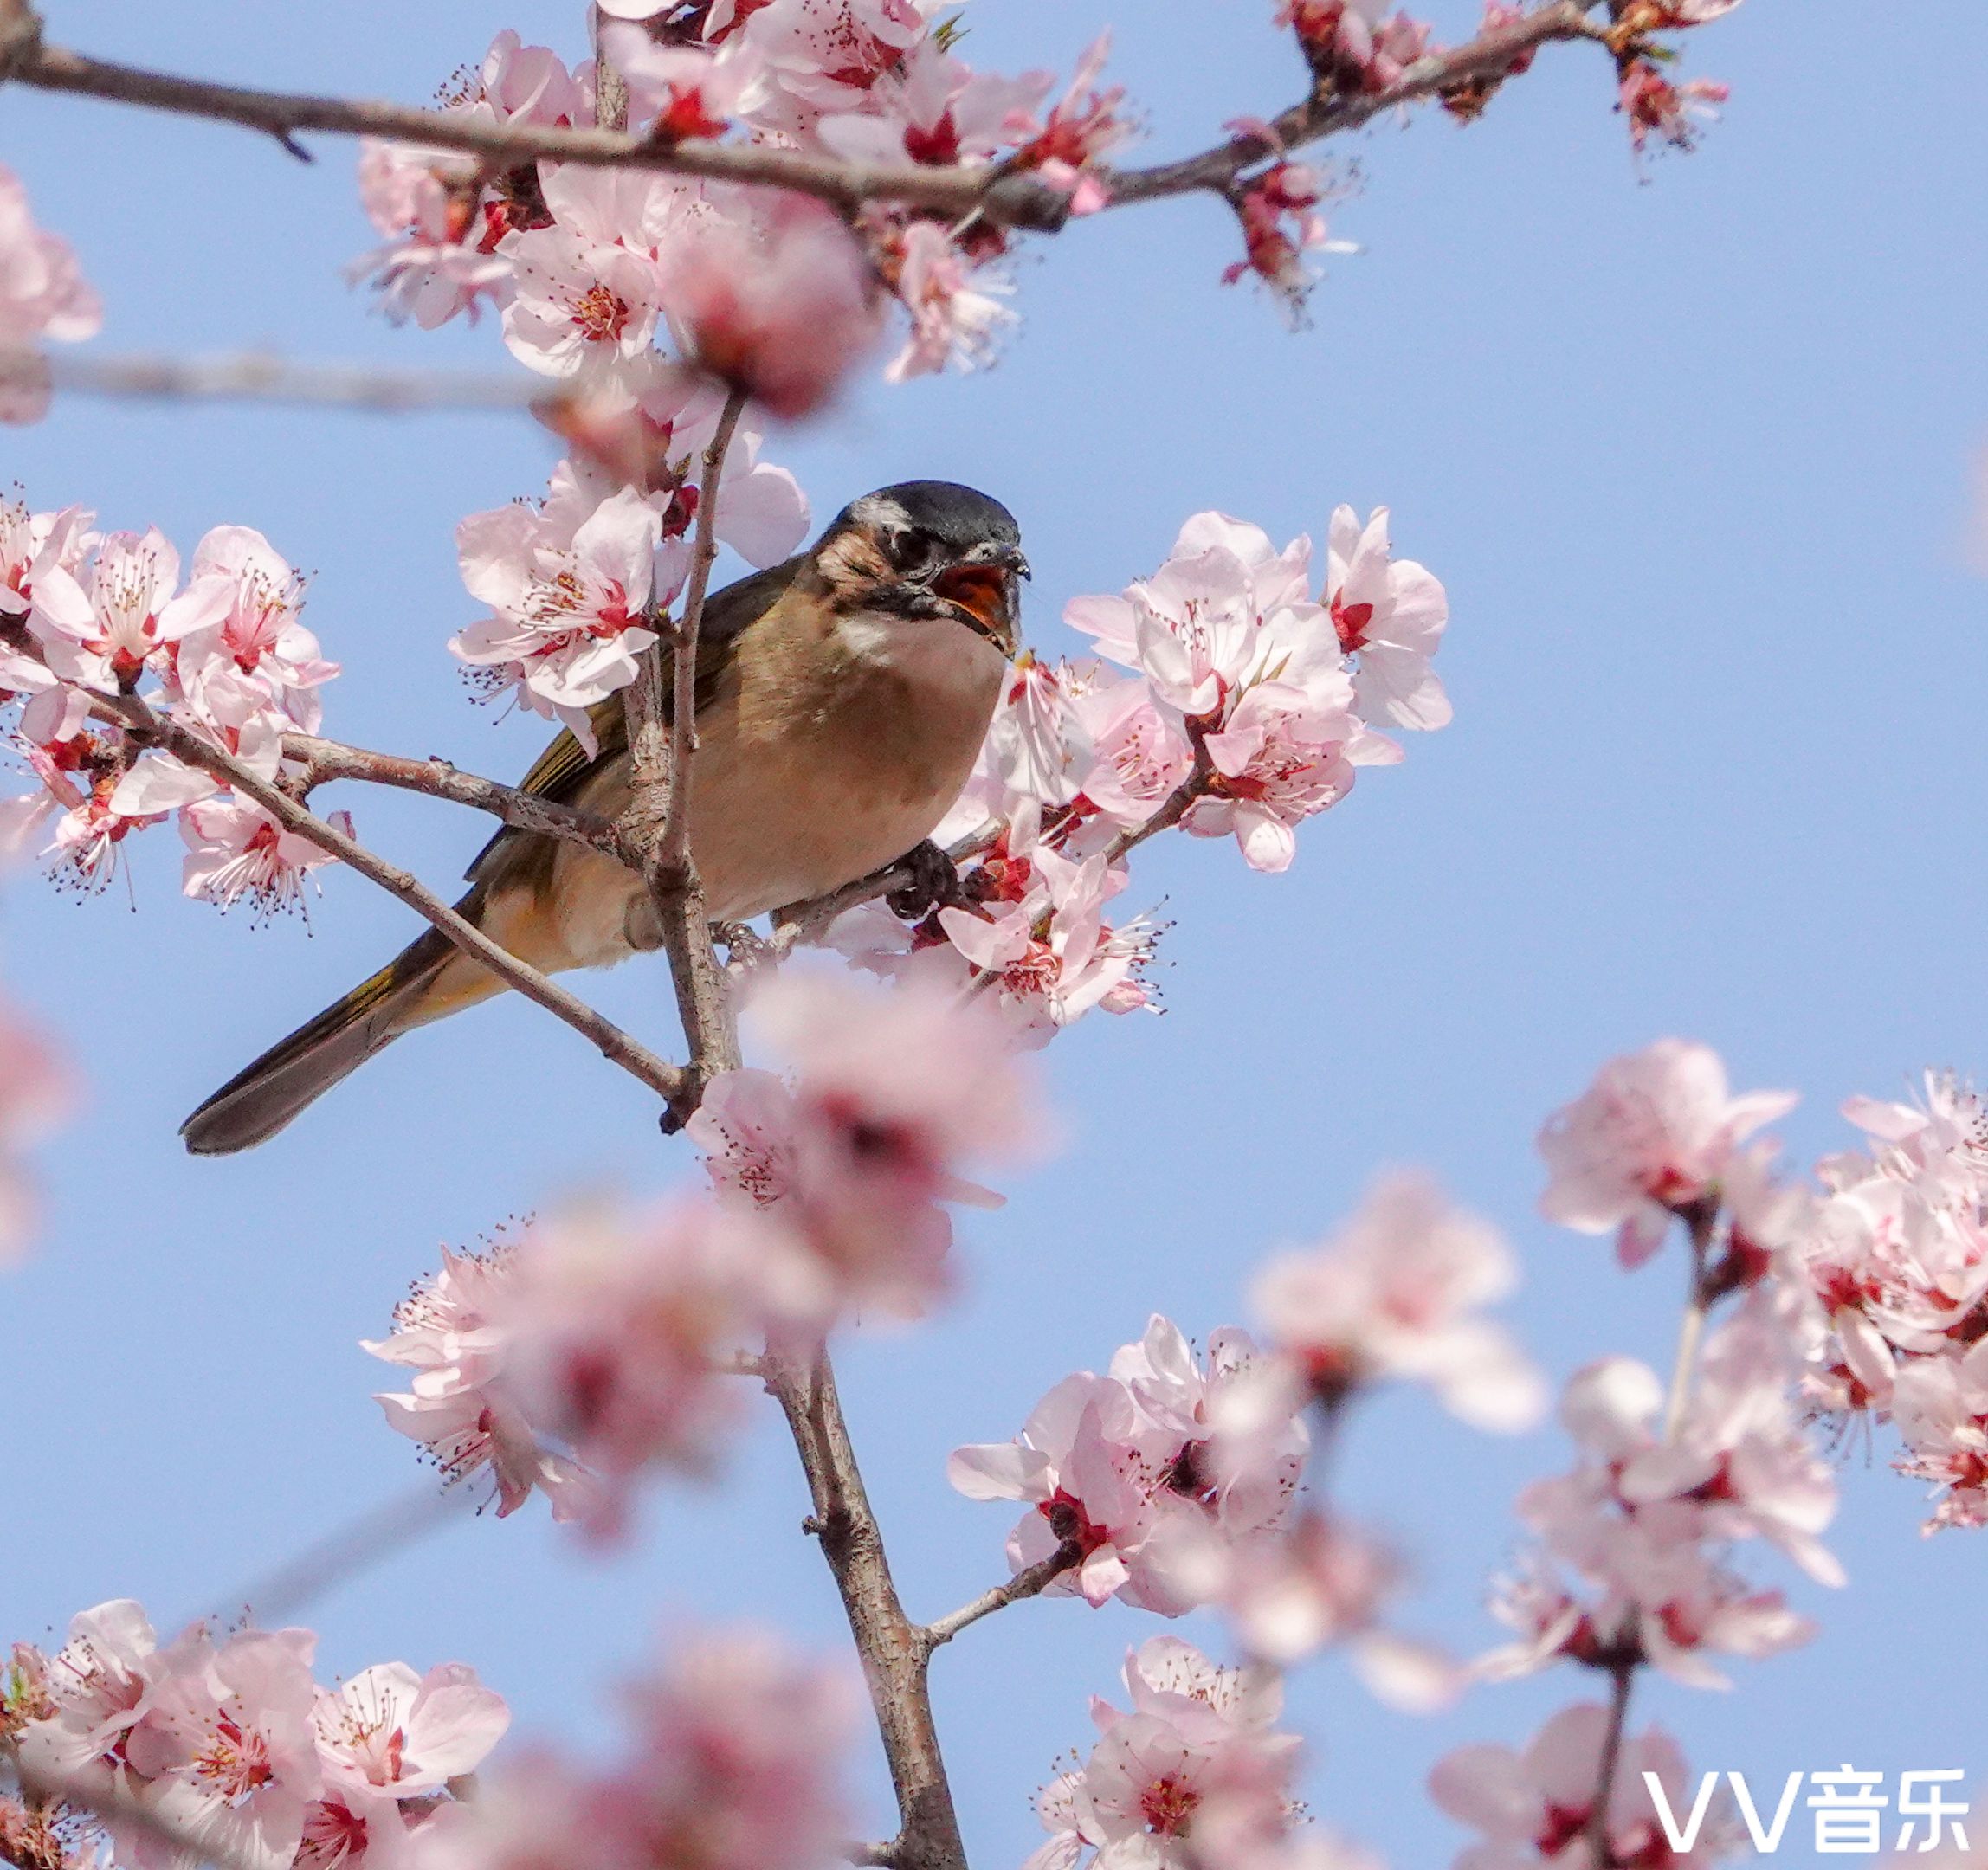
(258, 1101)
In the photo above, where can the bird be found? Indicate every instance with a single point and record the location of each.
(841, 700)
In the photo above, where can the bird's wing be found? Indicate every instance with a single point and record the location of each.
(563, 770)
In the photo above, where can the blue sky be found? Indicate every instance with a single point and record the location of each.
(1694, 454)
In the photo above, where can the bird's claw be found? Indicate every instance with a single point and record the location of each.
(934, 883)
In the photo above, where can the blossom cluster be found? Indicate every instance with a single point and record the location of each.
(86, 615)
(1224, 696)
(1879, 1271)
(1538, 1806)
(1193, 1773)
(223, 1745)
(599, 1343)
(587, 267)
(1895, 1251)
(42, 295)
(576, 582)
(733, 1761)
(1123, 1469)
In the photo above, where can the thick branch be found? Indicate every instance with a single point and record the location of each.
(323, 761)
(667, 1081)
(1019, 200)
(1029, 1584)
(894, 1651)
(1010, 197)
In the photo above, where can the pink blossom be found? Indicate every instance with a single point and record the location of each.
(42, 295)
(735, 1762)
(1050, 952)
(1081, 127)
(42, 552)
(78, 806)
(1138, 752)
(645, 429)
(1536, 1806)
(780, 304)
(823, 61)
(1124, 1469)
(1654, 1134)
(588, 288)
(1390, 615)
(570, 600)
(1282, 756)
(95, 1688)
(36, 1094)
(739, 1745)
(453, 1332)
(443, 216)
(242, 646)
(893, 1093)
(1224, 613)
(1397, 1294)
(934, 108)
(1320, 1582)
(226, 1743)
(617, 1323)
(237, 852)
(953, 321)
(1672, 113)
(1940, 1405)
(1360, 44)
(103, 632)
(1281, 222)
(1195, 1760)
(682, 91)
(391, 1731)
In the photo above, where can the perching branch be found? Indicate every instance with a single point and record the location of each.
(657, 824)
(322, 761)
(1029, 1584)
(1006, 196)
(157, 730)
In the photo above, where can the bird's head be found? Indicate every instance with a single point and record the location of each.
(930, 551)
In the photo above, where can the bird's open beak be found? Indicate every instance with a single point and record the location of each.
(985, 595)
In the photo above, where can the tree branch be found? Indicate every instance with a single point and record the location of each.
(1029, 1584)
(894, 1649)
(260, 377)
(157, 730)
(1018, 200)
(323, 761)
(1009, 196)
(656, 825)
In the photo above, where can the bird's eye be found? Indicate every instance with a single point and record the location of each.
(907, 548)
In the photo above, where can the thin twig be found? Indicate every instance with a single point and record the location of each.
(1029, 1584)
(1702, 1219)
(157, 730)
(261, 376)
(1601, 1848)
(1004, 194)
(323, 761)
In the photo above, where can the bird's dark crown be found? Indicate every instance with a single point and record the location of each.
(942, 512)
(927, 548)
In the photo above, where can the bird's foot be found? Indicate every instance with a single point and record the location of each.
(934, 883)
